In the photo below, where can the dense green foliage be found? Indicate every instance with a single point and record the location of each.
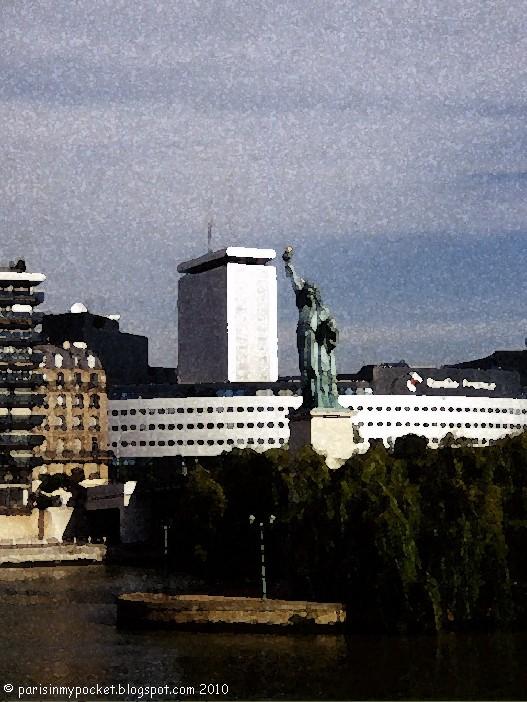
(410, 539)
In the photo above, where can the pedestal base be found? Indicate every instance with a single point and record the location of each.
(329, 431)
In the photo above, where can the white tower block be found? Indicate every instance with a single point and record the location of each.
(227, 327)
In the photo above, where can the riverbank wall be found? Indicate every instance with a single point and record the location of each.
(44, 553)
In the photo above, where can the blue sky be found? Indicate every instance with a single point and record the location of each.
(385, 140)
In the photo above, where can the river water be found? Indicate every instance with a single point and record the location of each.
(57, 627)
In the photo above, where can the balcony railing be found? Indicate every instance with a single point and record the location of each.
(20, 359)
(15, 337)
(29, 399)
(20, 421)
(21, 379)
(20, 440)
(20, 297)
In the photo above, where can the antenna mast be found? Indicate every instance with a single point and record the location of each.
(209, 236)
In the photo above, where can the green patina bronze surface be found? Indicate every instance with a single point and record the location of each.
(317, 337)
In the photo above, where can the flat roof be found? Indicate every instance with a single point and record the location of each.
(231, 254)
(19, 277)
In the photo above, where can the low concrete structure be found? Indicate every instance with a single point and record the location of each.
(204, 612)
(35, 525)
(32, 554)
(329, 431)
(121, 497)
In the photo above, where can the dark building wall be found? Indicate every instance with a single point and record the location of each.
(446, 381)
(505, 360)
(124, 357)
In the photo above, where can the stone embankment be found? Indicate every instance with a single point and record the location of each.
(204, 612)
(40, 554)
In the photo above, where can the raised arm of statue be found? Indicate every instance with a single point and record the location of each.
(296, 280)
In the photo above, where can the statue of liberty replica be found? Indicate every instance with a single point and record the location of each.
(316, 337)
(320, 422)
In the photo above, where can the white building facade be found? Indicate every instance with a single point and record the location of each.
(207, 426)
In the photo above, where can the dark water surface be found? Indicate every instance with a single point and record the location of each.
(57, 626)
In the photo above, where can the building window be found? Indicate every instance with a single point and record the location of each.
(95, 402)
(78, 401)
(60, 378)
(151, 427)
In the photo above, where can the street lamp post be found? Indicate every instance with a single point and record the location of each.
(252, 519)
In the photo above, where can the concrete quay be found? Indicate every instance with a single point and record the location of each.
(206, 612)
(42, 554)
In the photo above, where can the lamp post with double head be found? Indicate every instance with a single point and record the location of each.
(261, 524)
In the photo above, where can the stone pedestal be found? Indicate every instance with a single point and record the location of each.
(329, 431)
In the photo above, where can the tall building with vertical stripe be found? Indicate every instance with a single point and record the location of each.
(227, 302)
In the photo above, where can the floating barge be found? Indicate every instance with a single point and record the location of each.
(208, 612)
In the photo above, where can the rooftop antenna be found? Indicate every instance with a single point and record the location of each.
(209, 235)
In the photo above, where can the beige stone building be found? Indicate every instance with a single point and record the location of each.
(75, 426)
